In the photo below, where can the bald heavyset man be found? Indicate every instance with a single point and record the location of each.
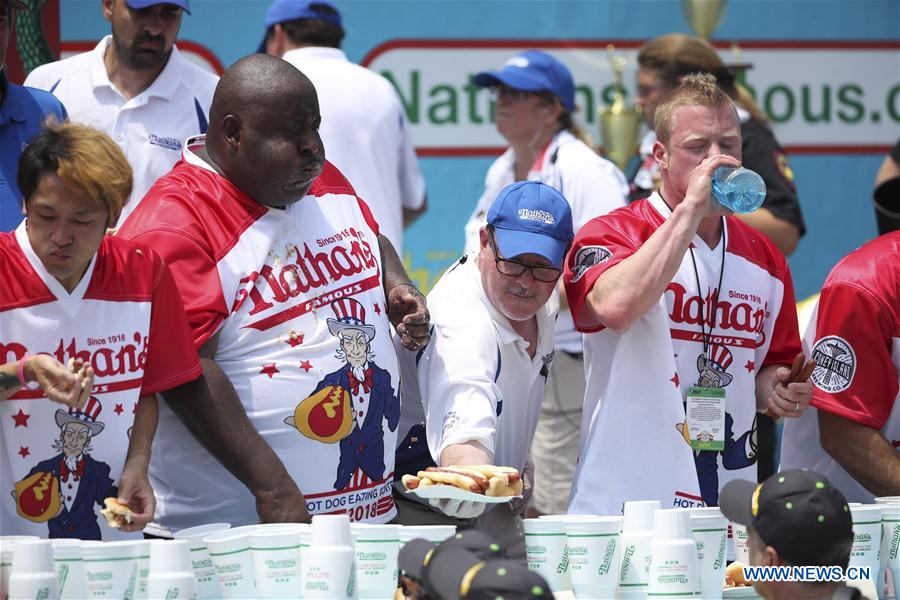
(290, 292)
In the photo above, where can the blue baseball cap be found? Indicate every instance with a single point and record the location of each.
(533, 71)
(532, 217)
(282, 11)
(141, 4)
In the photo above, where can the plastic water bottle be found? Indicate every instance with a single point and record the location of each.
(738, 189)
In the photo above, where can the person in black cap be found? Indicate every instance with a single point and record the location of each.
(463, 574)
(416, 559)
(794, 518)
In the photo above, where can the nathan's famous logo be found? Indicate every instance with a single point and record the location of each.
(563, 565)
(106, 360)
(728, 316)
(626, 562)
(720, 557)
(349, 256)
(835, 364)
(895, 542)
(607, 557)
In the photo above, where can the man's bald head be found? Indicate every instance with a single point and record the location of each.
(263, 130)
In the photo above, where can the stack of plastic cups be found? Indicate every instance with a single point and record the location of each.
(329, 569)
(33, 574)
(232, 559)
(890, 543)
(170, 573)
(207, 583)
(276, 559)
(593, 550)
(7, 542)
(674, 566)
(69, 561)
(710, 528)
(433, 533)
(740, 540)
(866, 550)
(634, 553)
(546, 551)
(377, 547)
(111, 568)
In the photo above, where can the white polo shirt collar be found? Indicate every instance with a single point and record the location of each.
(164, 86)
(315, 52)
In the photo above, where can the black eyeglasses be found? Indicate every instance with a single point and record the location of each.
(514, 268)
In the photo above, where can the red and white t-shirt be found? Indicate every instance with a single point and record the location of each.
(280, 287)
(126, 319)
(854, 337)
(632, 445)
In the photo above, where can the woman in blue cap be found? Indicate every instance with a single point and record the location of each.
(535, 102)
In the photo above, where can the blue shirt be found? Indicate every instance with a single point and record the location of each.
(22, 111)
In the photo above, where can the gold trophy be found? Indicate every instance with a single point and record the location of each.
(620, 125)
(703, 16)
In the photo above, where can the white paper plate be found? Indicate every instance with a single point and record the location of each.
(739, 592)
(454, 493)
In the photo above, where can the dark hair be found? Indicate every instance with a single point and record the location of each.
(837, 554)
(83, 158)
(314, 32)
(674, 55)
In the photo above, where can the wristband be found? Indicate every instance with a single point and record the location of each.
(21, 372)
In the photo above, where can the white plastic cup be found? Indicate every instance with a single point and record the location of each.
(111, 568)
(377, 547)
(7, 542)
(170, 573)
(433, 533)
(547, 553)
(674, 572)
(867, 526)
(887, 500)
(710, 528)
(232, 559)
(672, 524)
(890, 542)
(141, 590)
(740, 539)
(69, 561)
(276, 560)
(634, 548)
(207, 583)
(33, 573)
(593, 550)
(329, 569)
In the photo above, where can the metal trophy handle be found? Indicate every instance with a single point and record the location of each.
(620, 124)
(703, 16)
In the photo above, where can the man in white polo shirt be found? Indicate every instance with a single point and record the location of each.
(480, 383)
(687, 311)
(364, 127)
(137, 87)
(291, 293)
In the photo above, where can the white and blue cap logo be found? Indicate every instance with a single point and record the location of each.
(533, 71)
(530, 217)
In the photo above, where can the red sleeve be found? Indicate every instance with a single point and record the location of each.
(854, 377)
(598, 246)
(171, 356)
(193, 266)
(785, 343)
(367, 215)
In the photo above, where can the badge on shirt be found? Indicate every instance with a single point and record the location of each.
(705, 415)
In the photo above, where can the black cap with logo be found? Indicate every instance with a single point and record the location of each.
(797, 512)
(459, 573)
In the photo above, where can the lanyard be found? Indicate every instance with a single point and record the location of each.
(714, 302)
